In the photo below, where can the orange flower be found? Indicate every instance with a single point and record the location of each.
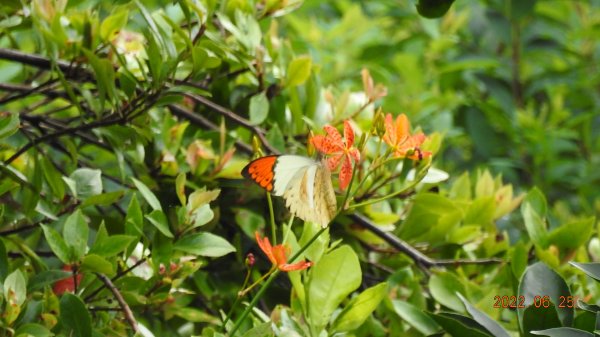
(338, 149)
(278, 255)
(404, 144)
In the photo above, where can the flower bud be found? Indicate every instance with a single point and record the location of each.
(379, 123)
(250, 260)
(310, 147)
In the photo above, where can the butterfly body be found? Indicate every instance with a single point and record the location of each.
(305, 184)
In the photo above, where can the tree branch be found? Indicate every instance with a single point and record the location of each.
(124, 307)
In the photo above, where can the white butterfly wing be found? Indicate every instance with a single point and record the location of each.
(306, 187)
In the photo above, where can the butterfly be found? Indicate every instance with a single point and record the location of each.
(304, 183)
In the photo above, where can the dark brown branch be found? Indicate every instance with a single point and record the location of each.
(42, 62)
(260, 133)
(199, 120)
(124, 307)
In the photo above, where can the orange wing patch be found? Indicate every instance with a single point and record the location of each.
(261, 171)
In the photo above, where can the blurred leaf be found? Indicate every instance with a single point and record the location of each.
(563, 332)
(53, 178)
(112, 245)
(97, 264)
(196, 316)
(539, 318)
(537, 201)
(591, 269)
(261, 330)
(415, 317)
(46, 278)
(521, 8)
(9, 125)
(360, 308)
(432, 9)
(57, 244)
(573, 234)
(103, 199)
(329, 286)
(147, 194)
(480, 317)
(15, 287)
(180, 188)
(85, 182)
(134, 221)
(259, 108)
(298, 71)
(33, 329)
(158, 219)
(113, 23)
(535, 225)
(74, 316)
(444, 286)
(75, 234)
(204, 244)
(3, 261)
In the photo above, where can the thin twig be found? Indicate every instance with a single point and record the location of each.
(116, 277)
(124, 307)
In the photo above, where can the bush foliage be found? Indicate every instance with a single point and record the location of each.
(462, 139)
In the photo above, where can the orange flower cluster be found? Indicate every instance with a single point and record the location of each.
(278, 255)
(398, 137)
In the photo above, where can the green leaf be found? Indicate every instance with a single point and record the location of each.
(15, 287)
(53, 178)
(444, 286)
(57, 244)
(591, 269)
(539, 281)
(518, 259)
(432, 9)
(46, 278)
(113, 23)
(108, 198)
(331, 280)
(112, 245)
(180, 187)
(147, 194)
(259, 108)
(535, 225)
(86, 182)
(134, 221)
(261, 330)
(97, 264)
(204, 244)
(360, 308)
(75, 234)
(481, 212)
(9, 125)
(275, 138)
(539, 318)
(33, 329)
(158, 219)
(196, 315)
(459, 325)
(298, 71)
(572, 235)
(201, 216)
(3, 261)
(563, 332)
(74, 316)
(536, 199)
(415, 317)
(482, 318)
(521, 8)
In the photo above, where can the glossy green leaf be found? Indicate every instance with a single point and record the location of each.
(415, 317)
(74, 316)
(259, 108)
(444, 286)
(591, 269)
(158, 219)
(360, 308)
(204, 244)
(147, 194)
(97, 264)
(539, 318)
(572, 235)
(15, 287)
(537, 201)
(75, 234)
(563, 332)
(86, 183)
(112, 245)
(298, 71)
(46, 278)
(484, 320)
(458, 325)
(331, 280)
(134, 221)
(57, 244)
(539, 281)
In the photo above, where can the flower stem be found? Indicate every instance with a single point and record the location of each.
(272, 218)
(265, 285)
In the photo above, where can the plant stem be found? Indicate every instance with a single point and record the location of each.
(265, 285)
(272, 218)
